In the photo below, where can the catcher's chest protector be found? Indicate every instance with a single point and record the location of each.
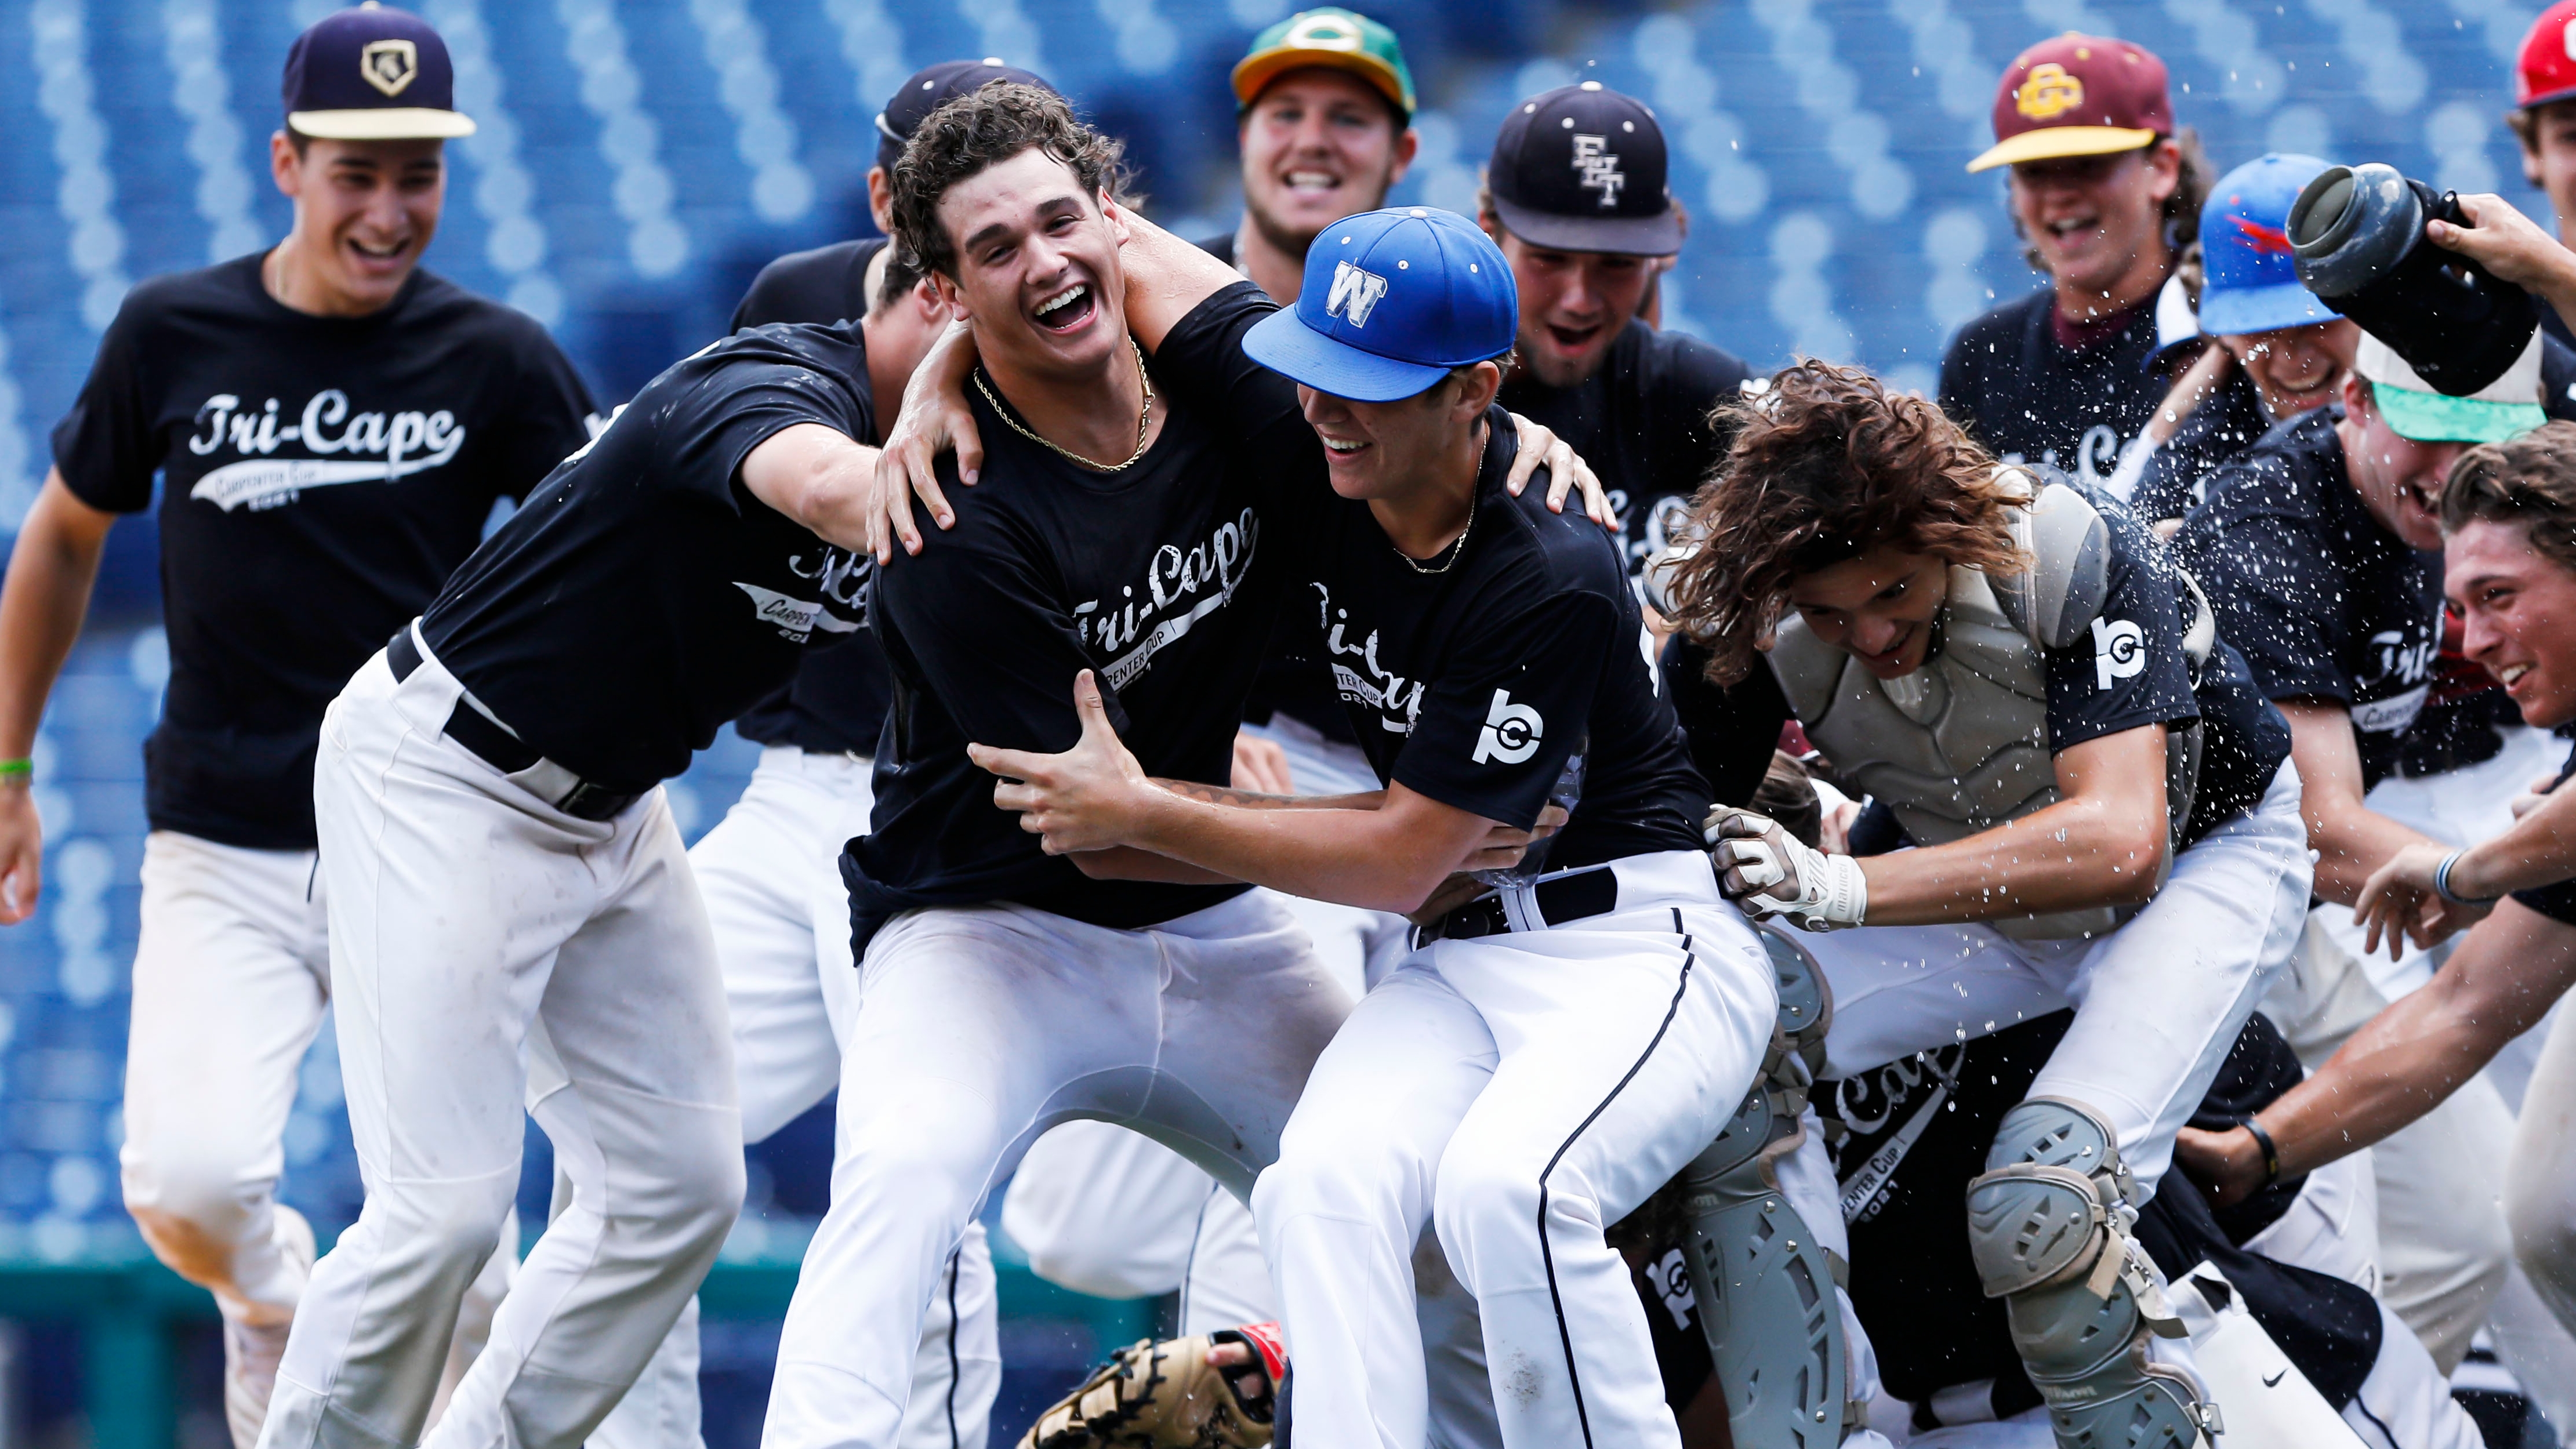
(1961, 745)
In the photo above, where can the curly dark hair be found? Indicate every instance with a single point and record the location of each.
(985, 128)
(2529, 482)
(1827, 464)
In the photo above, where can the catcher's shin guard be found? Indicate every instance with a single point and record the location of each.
(1168, 1396)
(1765, 1285)
(2048, 1226)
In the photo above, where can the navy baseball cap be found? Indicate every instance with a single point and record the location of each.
(1582, 169)
(2250, 278)
(934, 86)
(372, 74)
(1392, 300)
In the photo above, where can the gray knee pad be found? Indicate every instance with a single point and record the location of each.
(2048, 1226)
(1765, 1286)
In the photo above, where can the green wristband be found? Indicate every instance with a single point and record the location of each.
(16, 769)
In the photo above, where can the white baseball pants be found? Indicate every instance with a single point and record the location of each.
(2158, 1002)
(1100, 1210)
(771, 878)
(980, 1027)
(492, 955)
(1519, 1091)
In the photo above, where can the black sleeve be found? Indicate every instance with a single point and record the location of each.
(1960, 392)
(1695, 378)
(2128, 668)
(2275, 589)
(2557, 377)
(550, 415)
(705, 427)
(998, 651)
(105, 445)
(1730, 730)
(1202, 364)
(1493, 733)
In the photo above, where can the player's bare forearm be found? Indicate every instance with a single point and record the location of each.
(1256, 800)
(819, 477)
(1166, 278)
(2350, 839)
(2409, 1058)
(1126, 862)
(2102, 844)
(2537, 850)
(43, 600)
(1390, 858)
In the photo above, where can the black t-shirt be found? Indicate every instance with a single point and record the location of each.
(2128, 670)
(2323, 602)
(323, 476)
(1474, 685)
(2557, 902)
(837, 702)
(1644, 424)
(642, 596)
(1909, 1137)
(2174, 479)
(2031, 398)
(1163, 579)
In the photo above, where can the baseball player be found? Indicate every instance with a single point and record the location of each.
(769, 871)
(1325, 105)
(513, 922)
(2312, 548)
(2105, 192)
(2102, 806)
(1562, 1044)
(333, 426)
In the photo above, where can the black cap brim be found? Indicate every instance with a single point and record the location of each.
(1631, 236)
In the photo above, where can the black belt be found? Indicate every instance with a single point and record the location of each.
(505, 751)
(1556, 901)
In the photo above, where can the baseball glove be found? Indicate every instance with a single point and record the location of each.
(1168, 1396)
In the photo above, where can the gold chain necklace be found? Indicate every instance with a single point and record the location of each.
(1456, 550)
(1142, 414)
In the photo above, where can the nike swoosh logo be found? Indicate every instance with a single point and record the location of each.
(2276, 1378)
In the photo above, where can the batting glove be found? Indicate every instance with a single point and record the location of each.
(1770, 872)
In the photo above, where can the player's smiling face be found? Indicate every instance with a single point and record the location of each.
(1387, 450)
(1573, 305)
(2400, 480)
(2296, 368)
(1037, 266)
(1319, 145)
(1878, 607)
(2518, 606)
(364, 213)
(2093, 219)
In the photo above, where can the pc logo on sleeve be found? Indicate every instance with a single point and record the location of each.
(1391, 301)
(1511, 733)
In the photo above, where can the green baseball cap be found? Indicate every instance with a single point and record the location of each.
(2505, 408)
(1327, 36)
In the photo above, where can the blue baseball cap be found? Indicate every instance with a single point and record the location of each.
(1392, 300)
(372, 74)
(2250, 278)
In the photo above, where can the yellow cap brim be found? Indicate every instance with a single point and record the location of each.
(1253, 72)
(2049, 143)
(388, 123)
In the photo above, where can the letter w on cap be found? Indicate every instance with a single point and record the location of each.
(1354, 294)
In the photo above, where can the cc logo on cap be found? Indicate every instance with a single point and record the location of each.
(389, 65)
(2048, 93)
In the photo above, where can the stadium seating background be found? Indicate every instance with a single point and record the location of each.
(639, 159)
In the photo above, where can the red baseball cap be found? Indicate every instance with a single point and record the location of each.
(2079, 95)
(2547, 69)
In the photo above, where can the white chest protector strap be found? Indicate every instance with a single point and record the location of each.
(1960, 746)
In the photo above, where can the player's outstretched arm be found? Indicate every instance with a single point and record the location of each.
(2102, 844)
(2538, 849)
(2504, 976)
(1095, 797)
(42, 603)
(1166, 277)
(2514, 247)
(818, 477)
(2351, 840)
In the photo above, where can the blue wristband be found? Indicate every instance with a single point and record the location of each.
(2442, 883)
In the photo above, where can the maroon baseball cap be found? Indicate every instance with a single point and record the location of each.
(2078, 95)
